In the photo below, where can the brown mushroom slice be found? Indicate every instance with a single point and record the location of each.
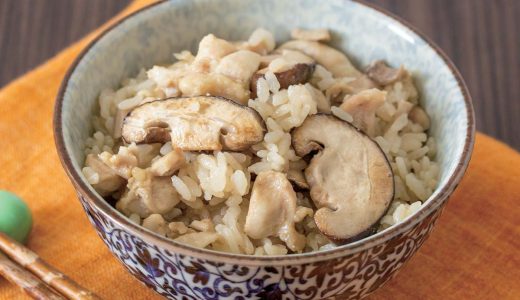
(333, 60)
(382, 74)
(195, 124)
(272, 209)
(108, 179)
(297, 74)
(318, 35)
(362, 107)
(350, 179)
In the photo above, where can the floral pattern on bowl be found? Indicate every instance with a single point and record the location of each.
(180, 276)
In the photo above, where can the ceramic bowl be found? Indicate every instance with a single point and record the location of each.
(151, 35)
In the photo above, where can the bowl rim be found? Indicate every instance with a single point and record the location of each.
(310, 257)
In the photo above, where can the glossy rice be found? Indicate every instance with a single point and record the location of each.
(206, 201)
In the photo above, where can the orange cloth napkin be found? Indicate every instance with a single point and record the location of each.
(472, 253)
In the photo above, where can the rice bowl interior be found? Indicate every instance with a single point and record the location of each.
(202, 196)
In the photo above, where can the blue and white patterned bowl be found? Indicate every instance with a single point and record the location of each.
(151, 35)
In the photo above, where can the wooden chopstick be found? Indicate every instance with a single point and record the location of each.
(26, 280)
(47, 273)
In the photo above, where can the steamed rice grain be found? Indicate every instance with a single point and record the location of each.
(213, 188)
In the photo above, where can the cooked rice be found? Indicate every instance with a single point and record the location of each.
(209, 194)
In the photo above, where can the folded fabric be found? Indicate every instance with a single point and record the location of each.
(472, 252)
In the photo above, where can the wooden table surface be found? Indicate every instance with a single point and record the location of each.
(481, 36)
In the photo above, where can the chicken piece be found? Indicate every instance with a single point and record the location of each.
(129, 157)
(419, 116)
(167, 77)
(178, 228)
(201, 84)
(360, 84)
(272, 210)
(145, 153)
(203, 225)
(198, 239)
(333, 60)
(240, 65)
(362, 107)
(283, 60)
(322, 102)
(296, 57)
(406, 89)
(148, 194)
(211, 50)
(122, 163)
(382, 74)
(168, 164)
(261, 41)
(156, 223)
(348, 86)
(108, 180)
(318, 35)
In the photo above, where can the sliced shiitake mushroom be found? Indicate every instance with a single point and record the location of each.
(297, 74)
(194, 124)
(350, 179)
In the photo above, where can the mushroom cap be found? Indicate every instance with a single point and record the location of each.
(351, 181)
(194, 124)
